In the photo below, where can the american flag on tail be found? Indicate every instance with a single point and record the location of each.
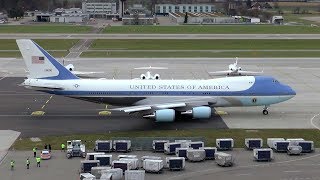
(37, 60)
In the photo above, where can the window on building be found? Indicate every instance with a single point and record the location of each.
(164, 9)
(170, 9)
(201, 8)
(177, 8)
(196, 9)
(184, 9)
(207, 8)
(190, 7)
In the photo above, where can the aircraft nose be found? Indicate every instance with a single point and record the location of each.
(291, 91)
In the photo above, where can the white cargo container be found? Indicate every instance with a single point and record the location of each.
(253, 143)
(223, 159)
(224, 144)
(294, 150)
(96, 171)
(170, 148)
(265, 154)
(280, 146)
(127, 156)
(124, 165)
(103, 146)
(196, 144)
(195, 155)
(158, 145)
(148, 157)
(86, 165)
(175, 163)
(133, 161)
(105, 160)
(181, 152)
(90, 156)
(210, 151)
(106, 176)
(153, 165)
(117, 173)
(87, 176)
(122, 145)
(134, 175)
(271, 140)
(184, 143)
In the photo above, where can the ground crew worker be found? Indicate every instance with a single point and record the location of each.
(34, 151)
(38, 161)
(62, 147)
(28, 163)
(12, 164)
(49, 147)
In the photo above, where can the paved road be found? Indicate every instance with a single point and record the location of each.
(159, 36)
(301, 73)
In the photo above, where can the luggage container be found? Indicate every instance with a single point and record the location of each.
(196, 144)
(148, 157)
(294, 141)
(86, 165)
(196, 155)
(225, 144)
(90, 156)
(294, 150)
(184, 143)
(210, 151)
(307, 146)
(152, 165)
(265, 154)
(117, 173)
(103, 146)
(106, 176)
(181, 152)
(87, 176)
(280, 146)
(124, 165)
(223, 159)
(134, 162)
(253, 143)
(175, 163)
(127, 156)
(134, 174)
(158, 145)
(105, 160)
(170, 148)
(121, 145)
(271, 140)
(96, 171)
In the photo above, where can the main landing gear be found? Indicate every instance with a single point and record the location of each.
(265, 110)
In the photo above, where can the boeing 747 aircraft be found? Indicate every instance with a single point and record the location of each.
(160, 100)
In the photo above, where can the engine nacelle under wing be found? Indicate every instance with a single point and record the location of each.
(163, 115)
(201, 112)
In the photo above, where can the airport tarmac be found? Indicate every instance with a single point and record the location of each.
(69, 116)
(283, 167)
(157, 36)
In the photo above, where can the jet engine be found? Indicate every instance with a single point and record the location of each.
(70, 67)
(142, 76)
(202, 112)
(163, 115)
(156, 76)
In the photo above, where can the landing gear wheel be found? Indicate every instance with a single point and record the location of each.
(265, 112)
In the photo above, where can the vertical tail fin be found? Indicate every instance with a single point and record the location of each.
(40, 64)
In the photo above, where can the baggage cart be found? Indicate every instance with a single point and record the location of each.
(158, 145)
(253, 143)
(265, 154)
(210, 151)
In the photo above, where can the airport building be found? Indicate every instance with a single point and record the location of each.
(100, 9)
(202, 18)
(182, 8)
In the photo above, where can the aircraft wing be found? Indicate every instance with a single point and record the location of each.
(221, 72)
(172, 105)
(248, 73)
(84, 73)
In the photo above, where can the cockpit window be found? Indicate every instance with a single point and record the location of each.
(275, 81)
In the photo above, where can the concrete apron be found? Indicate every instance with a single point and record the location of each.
(7, 138)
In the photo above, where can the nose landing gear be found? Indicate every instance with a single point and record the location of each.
(265, 110)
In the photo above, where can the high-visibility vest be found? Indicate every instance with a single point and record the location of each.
(62, 145)
(34, 149)
(38, 160)
(12, 163)
(28, 162)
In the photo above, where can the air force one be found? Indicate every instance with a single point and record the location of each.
(161, 100)
(235, 70)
